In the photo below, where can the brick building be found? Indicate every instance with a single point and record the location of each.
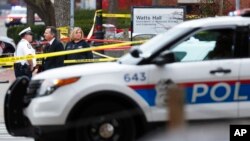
(192, 6)
(245, 4)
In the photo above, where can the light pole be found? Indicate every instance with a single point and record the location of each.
(72, 10)
(98, 26)
(237, 4)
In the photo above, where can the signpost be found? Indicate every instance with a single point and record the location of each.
(155, 20)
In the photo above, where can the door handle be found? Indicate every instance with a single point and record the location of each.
(220, 70)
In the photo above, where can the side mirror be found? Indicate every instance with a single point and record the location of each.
(135, 52)
(164, 58)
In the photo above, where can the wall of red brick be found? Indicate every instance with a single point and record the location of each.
(245, 4)
(168, 2)
(125, 4)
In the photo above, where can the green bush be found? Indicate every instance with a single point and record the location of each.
(83, 19)
(120, 22)
(85, 25)
(12, 32)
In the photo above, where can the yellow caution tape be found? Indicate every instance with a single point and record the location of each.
(102, 55)
(64, 31)
(99, 10)
(106, 15)
(89, 60)
(70, 61)
(93, 26)
(6, 63)
(60, 53)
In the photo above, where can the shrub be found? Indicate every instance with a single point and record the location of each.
(83, 19)
(12, 32)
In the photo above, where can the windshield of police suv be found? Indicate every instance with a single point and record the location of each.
(205, 45)
(154, 44)
(192, 49)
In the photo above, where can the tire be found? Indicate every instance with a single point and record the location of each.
(105, 121)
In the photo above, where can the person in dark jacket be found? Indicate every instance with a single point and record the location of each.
(77, 42)
(54, 45)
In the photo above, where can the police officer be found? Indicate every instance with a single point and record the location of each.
(77, 42)
(24, 48)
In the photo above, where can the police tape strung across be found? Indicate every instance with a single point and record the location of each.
(107, 58)
(60, 53)
(102, 55)
(89, 60)
(6, 63)
(70, 61)
(116, 15)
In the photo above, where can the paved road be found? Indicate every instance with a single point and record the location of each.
(206, 130)
(3, 29)
(5, 74)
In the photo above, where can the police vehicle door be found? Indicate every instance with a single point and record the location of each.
(206, 66)
(244, 84)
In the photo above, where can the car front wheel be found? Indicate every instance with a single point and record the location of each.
(105, 121)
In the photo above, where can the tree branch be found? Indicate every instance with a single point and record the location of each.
(44, 9)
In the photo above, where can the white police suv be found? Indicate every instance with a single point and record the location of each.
(114, 101)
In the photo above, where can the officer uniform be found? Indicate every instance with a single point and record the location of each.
(77, 56)
(22, 67)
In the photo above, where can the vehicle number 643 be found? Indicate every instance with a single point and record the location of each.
(140, 76)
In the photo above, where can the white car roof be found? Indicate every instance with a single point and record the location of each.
(8, 40)
(18, 8)
(216, 21)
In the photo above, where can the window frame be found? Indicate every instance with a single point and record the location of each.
(180, 40)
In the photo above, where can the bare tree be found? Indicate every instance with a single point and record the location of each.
(57, 14)
(44, 9)
(62, 12)
(221, 4)
(30, 16)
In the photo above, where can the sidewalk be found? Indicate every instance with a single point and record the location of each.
(203, 130)
(6, 74)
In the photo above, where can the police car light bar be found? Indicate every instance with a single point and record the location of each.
(243, 13)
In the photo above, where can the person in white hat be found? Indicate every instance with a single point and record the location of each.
(24, 48)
